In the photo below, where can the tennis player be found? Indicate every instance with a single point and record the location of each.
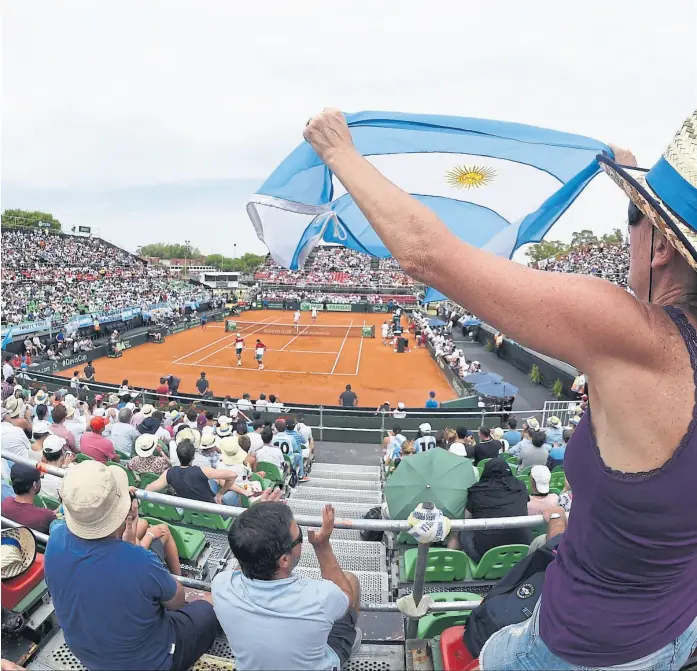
(239, 348)
(314, 314)
(296, 319)
(259, 352)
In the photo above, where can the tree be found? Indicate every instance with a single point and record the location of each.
(583, 238)
(30, 219)
(545, 250)
(245, 264)
(613, 238)
(163, 250)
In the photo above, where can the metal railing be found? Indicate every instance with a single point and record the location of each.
(316, 521)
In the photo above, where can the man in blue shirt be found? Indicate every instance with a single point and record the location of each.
(299, 441)
(432, 403)
(556, 454)
(554, 431)
(118, 605)
(290, 446)
(274, 619)
(512, 436)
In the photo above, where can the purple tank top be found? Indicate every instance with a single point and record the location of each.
(624, 582)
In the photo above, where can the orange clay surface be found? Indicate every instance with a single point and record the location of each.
(303, 369)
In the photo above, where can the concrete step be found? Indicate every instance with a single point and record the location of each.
(351, 555)
(337, 495)
(351, 511)
(322, 482)
(322, 467)
(337, 474)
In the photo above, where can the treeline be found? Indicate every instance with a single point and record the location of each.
(244, 264)
(549, 248)
(29, 219)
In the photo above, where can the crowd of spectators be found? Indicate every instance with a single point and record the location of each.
(337, 266)
(609, 261)
(46, 274)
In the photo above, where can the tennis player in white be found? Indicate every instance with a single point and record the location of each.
(239, 348)
(314, 314)
(296, 319)
(385, 332)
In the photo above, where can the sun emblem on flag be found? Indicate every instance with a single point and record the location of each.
(470, 176)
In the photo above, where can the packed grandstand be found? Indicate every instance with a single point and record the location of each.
(193, 463)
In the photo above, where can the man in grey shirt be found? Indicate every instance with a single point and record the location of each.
(536, 453)
(306, 624)
(122, 434)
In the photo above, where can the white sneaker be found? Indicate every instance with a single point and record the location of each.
(239, 363)
(261, 367)
(356, 643)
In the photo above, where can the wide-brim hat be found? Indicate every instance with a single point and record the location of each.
(41, 397)
(18, 551)
(666, 194)
(232, 453)
(187, 433)
(95, 498)
(147, 410)
(145, 445)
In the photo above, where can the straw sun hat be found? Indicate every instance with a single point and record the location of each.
(18, 551)
(667, 194)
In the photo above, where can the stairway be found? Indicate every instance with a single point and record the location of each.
(353, 490)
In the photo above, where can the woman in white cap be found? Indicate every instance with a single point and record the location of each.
(40, 431)
(622, 589)
(424, 440)
(54, 453)
(399, 412)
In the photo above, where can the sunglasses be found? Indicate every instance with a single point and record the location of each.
(297, 541)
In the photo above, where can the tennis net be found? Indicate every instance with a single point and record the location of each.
(316, 330)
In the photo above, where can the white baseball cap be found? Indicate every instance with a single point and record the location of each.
(40, 427)
(541, 475)
(54, 444)
(425, 427)
(400, 406)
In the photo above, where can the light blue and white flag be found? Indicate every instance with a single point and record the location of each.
(496, 185)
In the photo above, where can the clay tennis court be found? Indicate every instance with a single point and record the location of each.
(299, 367)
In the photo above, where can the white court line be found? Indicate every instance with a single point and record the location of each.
(246, 333)
(272, 370)
(292, 339)
(201, 348)
(341, 349)
(360, 349)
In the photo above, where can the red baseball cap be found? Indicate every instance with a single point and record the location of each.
(97, 424)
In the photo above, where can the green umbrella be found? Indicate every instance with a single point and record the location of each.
(435, 475)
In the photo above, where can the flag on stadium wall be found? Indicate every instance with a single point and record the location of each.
(496, 185)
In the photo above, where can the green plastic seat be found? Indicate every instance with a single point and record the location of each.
(524, 471)
(82, 457)
(264, 482)
(444, 565)
(160, 511)
(435, 624)
(146, 478)
(129, 473)
(39, 502)
(558, 480)
(211, 521)
(558, 469)
(122, 455)
(497, 562)
(190, 542)
(510, 459)
(273, 472)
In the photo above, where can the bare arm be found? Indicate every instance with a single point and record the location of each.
(178, 600)
(157, 485)
(328, 564)
(228, 477)
(579, 319)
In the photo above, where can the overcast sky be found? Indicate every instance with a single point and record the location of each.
(155, 121)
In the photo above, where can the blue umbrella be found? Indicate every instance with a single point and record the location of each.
(496, 389)
(471, 322)
(434, 321)
(482, 378)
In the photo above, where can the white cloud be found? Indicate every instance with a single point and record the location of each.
(103, 95)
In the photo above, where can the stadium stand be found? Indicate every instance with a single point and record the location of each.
(611, 262)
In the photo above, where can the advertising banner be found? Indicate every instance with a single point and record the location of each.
(377, 307)
(338, 307)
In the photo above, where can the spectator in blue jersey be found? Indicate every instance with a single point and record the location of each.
(393, 444)
(424, 438)
(291, 430)
(556, 454)
(512, 435)
(132, 613)
(291, 447)
(432, 403)
(553, 430)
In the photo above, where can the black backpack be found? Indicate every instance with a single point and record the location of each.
(512, 600)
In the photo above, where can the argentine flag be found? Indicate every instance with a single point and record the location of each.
(496, 185)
